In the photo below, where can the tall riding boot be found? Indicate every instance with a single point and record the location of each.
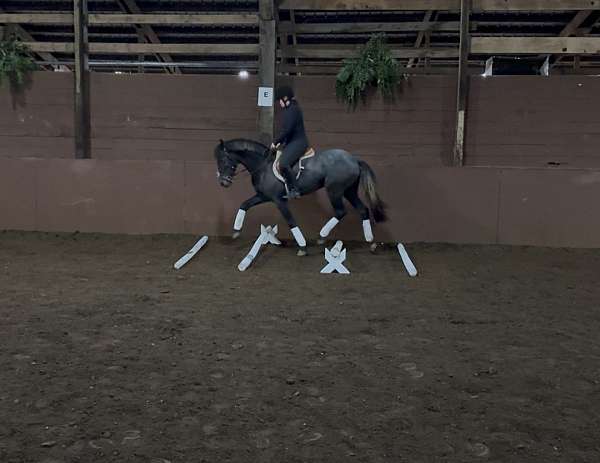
(290, 180)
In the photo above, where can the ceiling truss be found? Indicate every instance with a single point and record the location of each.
(315, 36)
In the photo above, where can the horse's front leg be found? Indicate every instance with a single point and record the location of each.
(241, 214)
(282, 205)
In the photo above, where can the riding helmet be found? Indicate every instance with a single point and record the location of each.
(284, 91)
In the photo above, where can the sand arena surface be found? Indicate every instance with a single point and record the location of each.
(109, 355)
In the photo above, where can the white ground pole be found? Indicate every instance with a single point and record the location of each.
(267, 235)
(408, 264)
(335, 259)
(191, 253)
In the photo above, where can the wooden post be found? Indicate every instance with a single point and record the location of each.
(294, 36)
(266, 65)
(463, 83)
(141, 58)
(82, 79)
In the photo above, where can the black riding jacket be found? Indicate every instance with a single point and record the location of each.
(293, 125)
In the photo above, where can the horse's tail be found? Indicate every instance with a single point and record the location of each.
(368, 186)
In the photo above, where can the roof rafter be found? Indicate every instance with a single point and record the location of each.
(421, 35)
(446, 5)
(146, 30)
(27, 37)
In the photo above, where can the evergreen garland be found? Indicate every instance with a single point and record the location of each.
(374, 67)
(15, 63)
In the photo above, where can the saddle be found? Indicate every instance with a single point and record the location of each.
(310, 152)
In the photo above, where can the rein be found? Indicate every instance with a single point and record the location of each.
(262, 165)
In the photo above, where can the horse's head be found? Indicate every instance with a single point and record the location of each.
(226, 164)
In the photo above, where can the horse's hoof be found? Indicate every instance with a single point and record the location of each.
(301, 252)
(373, 247)
(235, 235)
(321, 241)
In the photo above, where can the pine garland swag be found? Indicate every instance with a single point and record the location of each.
(16, 64)
(375, 67)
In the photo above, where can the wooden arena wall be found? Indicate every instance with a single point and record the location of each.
(532, 174)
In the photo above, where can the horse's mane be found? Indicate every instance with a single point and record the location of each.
(241, 145)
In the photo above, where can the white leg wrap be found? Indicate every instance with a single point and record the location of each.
(368, 231)
(326, 230)
(299, 237)
(239, 220)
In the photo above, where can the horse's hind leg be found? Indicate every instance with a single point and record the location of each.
(353, 198)
(337, 202)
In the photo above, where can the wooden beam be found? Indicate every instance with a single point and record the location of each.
(82, 78)
(416, 5)
(64, 19)
(150, 48)
(479, 45)
(535, 45)
(103, 19)
(421, 35)
(141, 58)
(581, 71)
(575, 23)
(572, 29)
(283, 35)
(27, 37)
(294, 34)
(333, 69)
(463, 83)
(534, 5)
(49, 47)
(341, 52)
(147, 30)
(356, 28)
(176, 19)
(266, 66)
(444, 5)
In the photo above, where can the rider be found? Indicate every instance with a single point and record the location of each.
(293, 136)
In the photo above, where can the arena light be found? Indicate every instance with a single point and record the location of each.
(243, 74)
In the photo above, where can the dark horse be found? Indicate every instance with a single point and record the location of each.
(342, 175)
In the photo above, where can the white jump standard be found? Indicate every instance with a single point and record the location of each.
(335, 259)
(191, 253)
(408, 264)
(267, 235)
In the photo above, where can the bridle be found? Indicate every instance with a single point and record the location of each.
(235, 162)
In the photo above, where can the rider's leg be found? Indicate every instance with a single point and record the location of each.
(291, 154)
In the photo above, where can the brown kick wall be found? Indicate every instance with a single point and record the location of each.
(41, 124)
(435, 204)
(532, 121)
(178, 118)
(523, 121)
